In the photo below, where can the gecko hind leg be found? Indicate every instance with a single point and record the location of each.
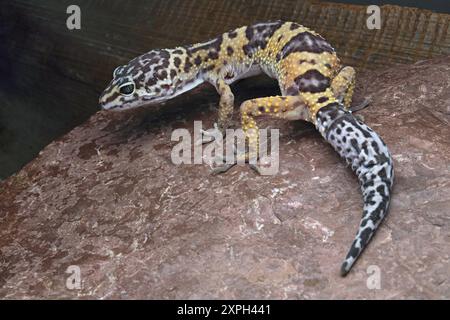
(343, 86)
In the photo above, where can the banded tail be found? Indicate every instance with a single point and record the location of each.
(370, 159)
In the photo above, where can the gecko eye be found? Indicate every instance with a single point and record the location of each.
(127, 89)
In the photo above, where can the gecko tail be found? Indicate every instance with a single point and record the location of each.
(370, 159)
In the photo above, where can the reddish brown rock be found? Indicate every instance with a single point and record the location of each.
(107, 198)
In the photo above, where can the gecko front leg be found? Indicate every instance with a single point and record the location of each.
(226, 107)
(281, 107)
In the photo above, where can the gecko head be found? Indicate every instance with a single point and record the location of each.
(145, 80)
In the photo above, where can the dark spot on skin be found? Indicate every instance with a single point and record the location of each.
(230, 51)
(157, 68)
(198, 60)
(153, 61)
(247, 50)
(165, 62)
(306, 41)
(349, 129)
(164, 54)
(261, 109)
(177, 62)
(152, 81)
(178, 51)
(381, 158)
(145, 57)
(370, 164)
(338, 131)
(368, 184)
(332, 110)
(173, 73)
(365, 236)
(327, 65)
(165, 87)
(258, 36)
(355, 145)
(279, 38)
(380, 190)
(162, 75)
(157, 90)
(213, 55)
(322, 99)
(187, 65)
(364, 222)
(305, 81)
(365, 133)
(364, 147)
(353, 251)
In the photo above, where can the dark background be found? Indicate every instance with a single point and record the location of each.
(51, 77)
(435, 5)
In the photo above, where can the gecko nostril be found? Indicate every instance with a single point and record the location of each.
(101, 105)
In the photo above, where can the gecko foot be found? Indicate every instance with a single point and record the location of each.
(209, 135)
(364, 104)
(255, 168)
(223, 164)
(222, 168)
(359, 107)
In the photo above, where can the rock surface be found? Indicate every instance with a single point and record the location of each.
(107, 198)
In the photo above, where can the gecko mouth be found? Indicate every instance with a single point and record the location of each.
(144, 101)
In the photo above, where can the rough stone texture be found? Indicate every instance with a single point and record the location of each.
(107, 198)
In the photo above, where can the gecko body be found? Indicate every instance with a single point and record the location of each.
(314, 87)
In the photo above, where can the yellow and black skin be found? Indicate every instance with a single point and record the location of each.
(314, 87)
